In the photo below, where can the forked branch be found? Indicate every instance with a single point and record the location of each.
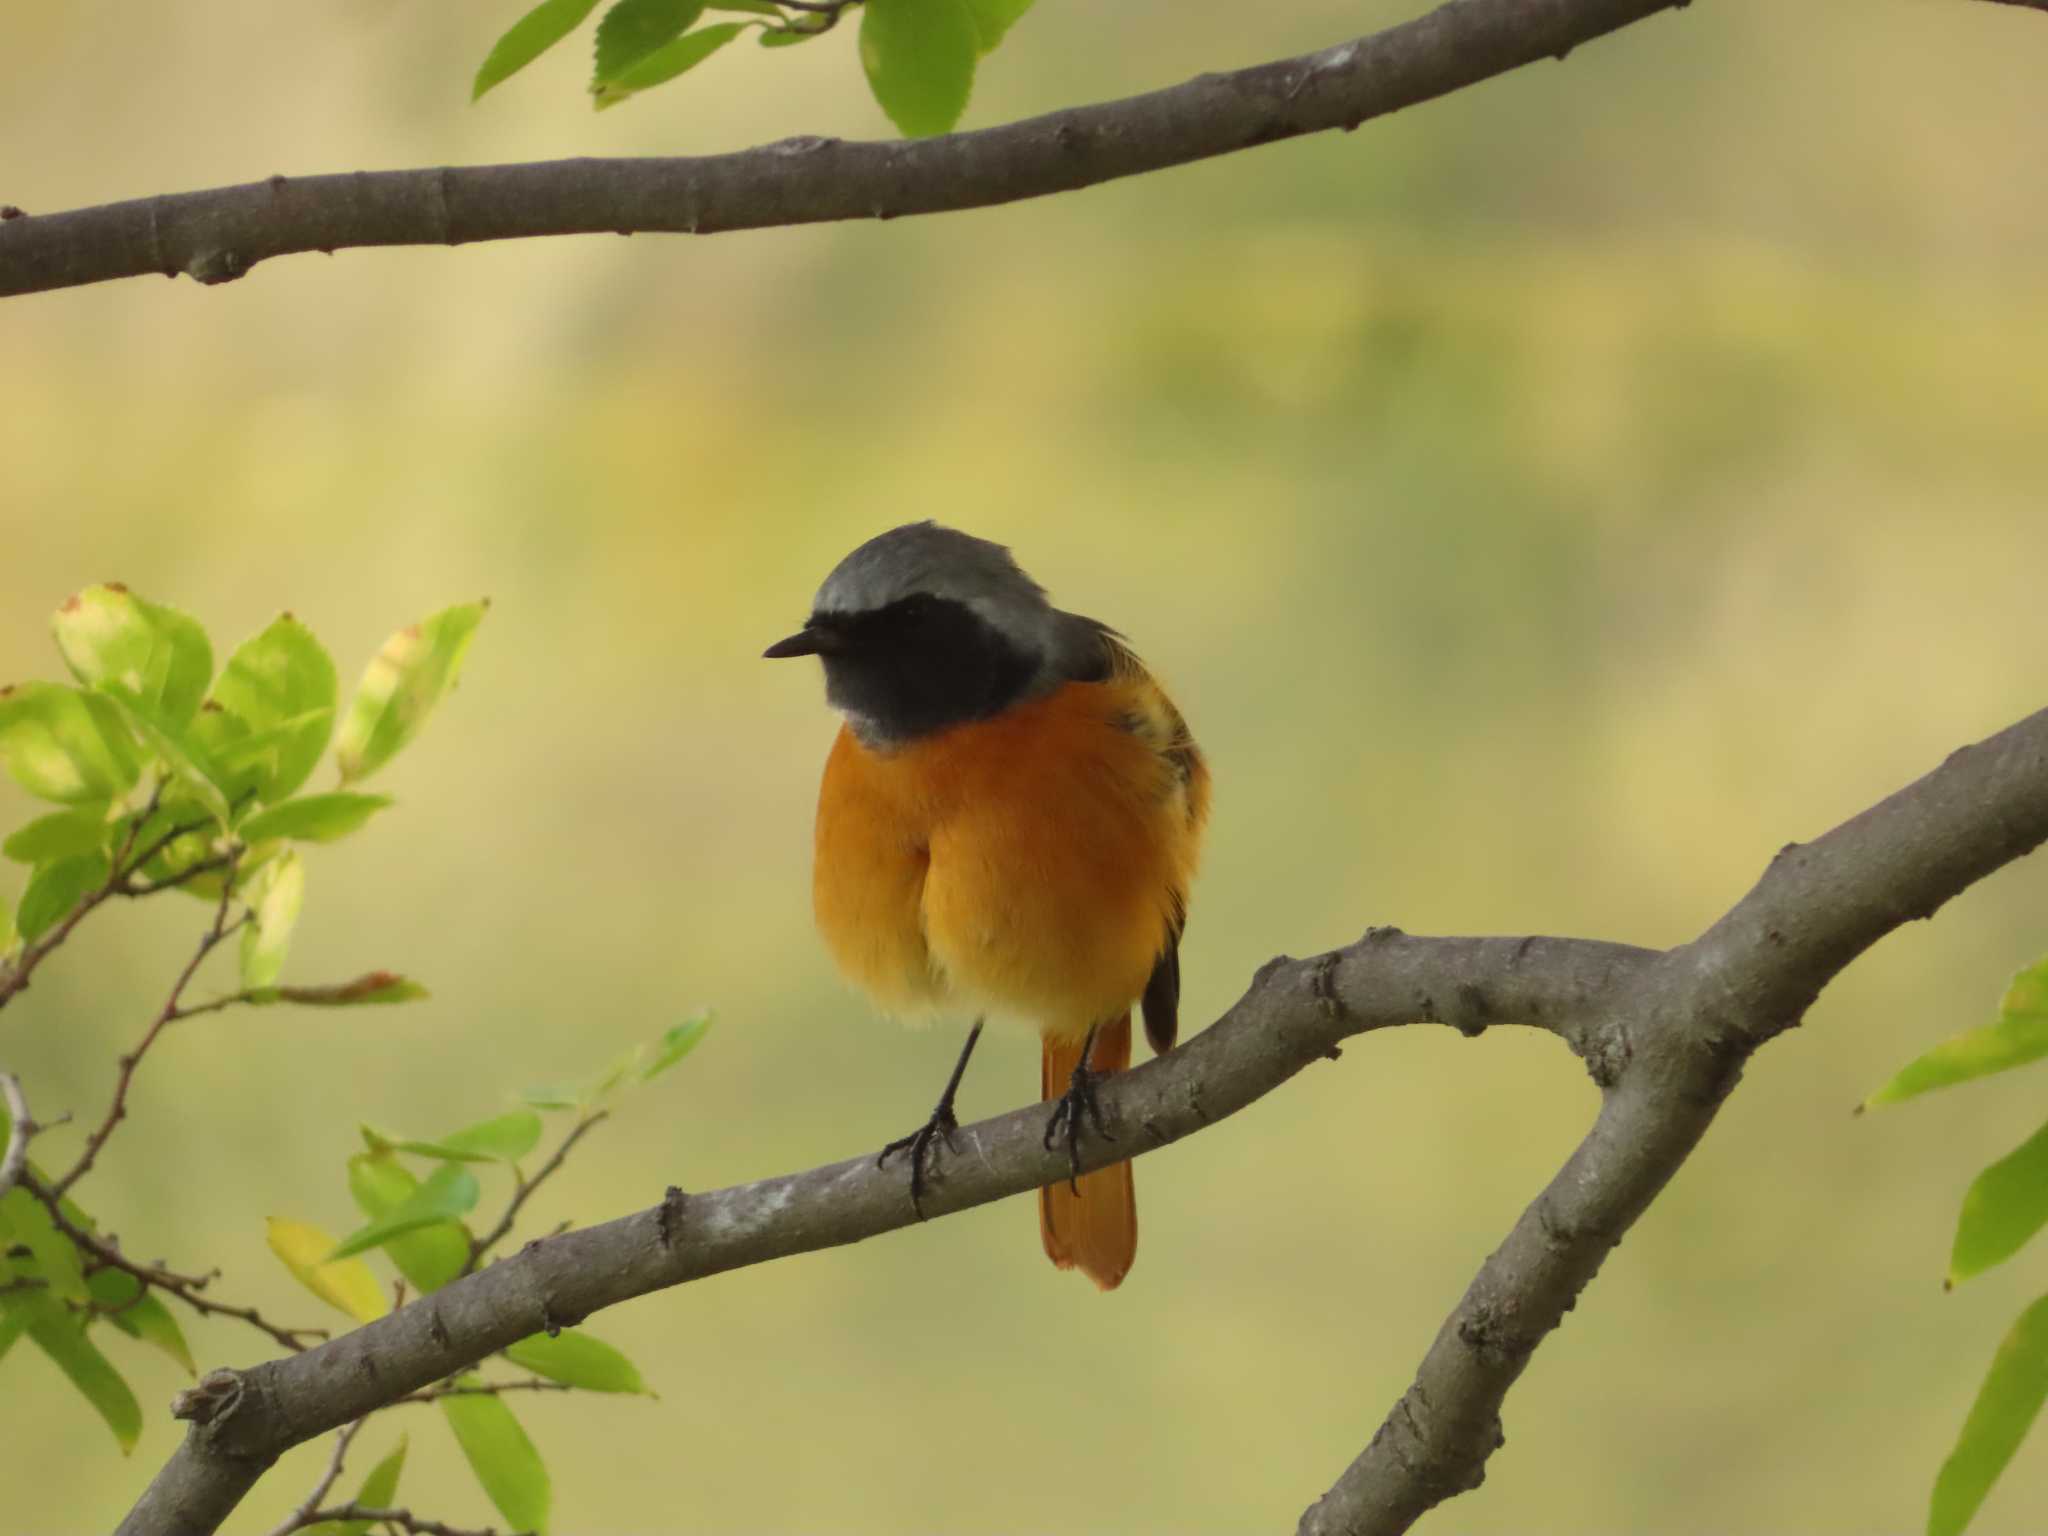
(1665, 1034)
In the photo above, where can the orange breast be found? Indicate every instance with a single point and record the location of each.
(1027, 865)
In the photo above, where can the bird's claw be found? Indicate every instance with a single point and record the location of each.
(1078, 1101)
(921, 1144)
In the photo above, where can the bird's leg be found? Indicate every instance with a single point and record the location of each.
(942, 1124)
(1077, 1101)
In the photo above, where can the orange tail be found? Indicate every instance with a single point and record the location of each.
(1095, 1230)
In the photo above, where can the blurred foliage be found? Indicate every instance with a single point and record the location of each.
(1545, 503)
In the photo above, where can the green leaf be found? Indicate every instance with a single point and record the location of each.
(632, 29)
(992, 18)
(527, 39)
(66, 745)
(554, 1096)
(23, 1220)
(59, 835)
(379, 1491)
(154, 659)
(919, 56)
(2006, 1204)
(274, 899)
(2019, 1035)
(314, 818)
(449, 1195)
(501, 1455)
(61, 1336)
(280, 687)
(10, 936)
(576, 1359)
(188, 763)
(122, 1301)
(501, 1139)
(685, 53)
(429, 1257)
(402, 685)
(54, 889)
(376, 987)
(674, 1045)
(346, 1284)
(2006, 1406)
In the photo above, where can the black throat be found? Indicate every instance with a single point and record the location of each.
(919, 665)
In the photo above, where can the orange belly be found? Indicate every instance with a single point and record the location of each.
(1027, 865)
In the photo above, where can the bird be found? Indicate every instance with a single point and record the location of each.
(1009, 824)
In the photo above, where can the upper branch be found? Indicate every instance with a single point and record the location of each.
(219, 234)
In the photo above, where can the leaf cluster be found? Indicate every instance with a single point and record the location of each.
(919, 55)
(2004, 1207)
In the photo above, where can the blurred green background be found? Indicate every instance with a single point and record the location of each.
(1544, 504)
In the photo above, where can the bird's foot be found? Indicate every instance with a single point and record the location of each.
(922, 1145)
(1077, 1103)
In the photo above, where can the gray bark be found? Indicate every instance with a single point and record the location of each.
(1665, 1035)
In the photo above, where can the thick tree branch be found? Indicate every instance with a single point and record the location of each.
(219, 234)
(1664, 1034)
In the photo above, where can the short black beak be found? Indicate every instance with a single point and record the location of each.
(808, 641)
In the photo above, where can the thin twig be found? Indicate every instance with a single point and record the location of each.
(117, 1109)
(106, 1253)
(480, 1246)
(303, 1516)
(119, 881)
(478, 1389)
(404, 1519)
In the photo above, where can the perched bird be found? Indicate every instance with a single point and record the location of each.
(1008, 824)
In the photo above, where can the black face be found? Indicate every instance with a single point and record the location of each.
(918, 666)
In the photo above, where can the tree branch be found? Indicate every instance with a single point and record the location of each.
(1664, 1034)
(218, 235)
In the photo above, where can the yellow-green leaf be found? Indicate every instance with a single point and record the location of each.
(401, 686)
(152, 658)
(314, 818)
(576, 1359)
(632, 29)
(24, 1221)
(2005, 1409)
(666, 62)
(60, 1334)
(429, 1257)
(919, 56)
(527, 39)
(65, 744)
(275, 898)
(119, 1298)
(280, 689)
(992, 18)
(2006, 1204)
(2017, 1036)
(59, 835)
(343, 1283)
(54, 889)
(503, 1458)
(449, 1194)
(675, 1044)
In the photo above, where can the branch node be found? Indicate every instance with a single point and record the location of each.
(217, 266)
(216, 1394)
(9, 211)
(668, 1216)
